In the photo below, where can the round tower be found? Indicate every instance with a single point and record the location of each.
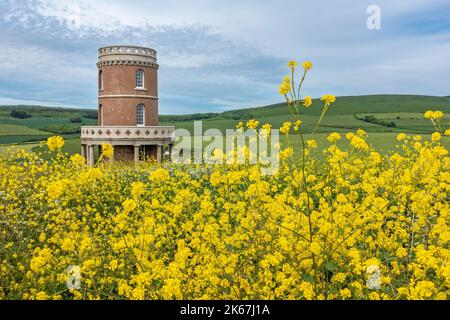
(127, 106)
(127, 86)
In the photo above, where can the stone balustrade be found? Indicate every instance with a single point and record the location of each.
(127, 133)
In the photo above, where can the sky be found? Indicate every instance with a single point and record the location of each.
(220, 55)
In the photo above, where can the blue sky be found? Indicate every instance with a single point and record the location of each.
(219, 55)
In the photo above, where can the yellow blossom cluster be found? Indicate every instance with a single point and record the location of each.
(355, 224)
(328, 99)
(307, 65)
(286, 127)
(307, 102)
(285, 86)
(252, 124)
(55, 143)
(107, 150)
(435, 115)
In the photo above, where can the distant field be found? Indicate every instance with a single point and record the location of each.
(40, 120)
(14, 130)
(392, 114)
(10, 134)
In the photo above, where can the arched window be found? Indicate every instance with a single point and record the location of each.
(100, 80)
(140, 78)
(100, 115)
(140, 110)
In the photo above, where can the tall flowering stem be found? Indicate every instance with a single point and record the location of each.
(288, 89)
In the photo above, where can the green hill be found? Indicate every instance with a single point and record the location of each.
(348, 113)
(42, 122)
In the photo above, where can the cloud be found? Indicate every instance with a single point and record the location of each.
(220, 55)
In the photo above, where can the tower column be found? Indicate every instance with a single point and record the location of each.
(91, 155)
(136, 154)
(86, 147)
(159, 149)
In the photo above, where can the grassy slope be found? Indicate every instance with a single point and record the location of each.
(13, 130)
(41, 118)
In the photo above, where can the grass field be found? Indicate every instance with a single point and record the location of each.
(11, 148)
(35, 127)
(347, 114)
(12, 130)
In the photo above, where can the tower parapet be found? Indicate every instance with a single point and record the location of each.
(127, 55)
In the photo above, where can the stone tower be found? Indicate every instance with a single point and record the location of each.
(127, 106)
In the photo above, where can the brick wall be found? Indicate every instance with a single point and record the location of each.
(121, 111)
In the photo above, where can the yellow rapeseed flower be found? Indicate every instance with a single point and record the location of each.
(286, 153)
(284, 88)
(55, 143)
(215, 179)
(252, 124)
(345, 293)
(107, 150)
(307, 65)
(311, 143)
(137, 189)
(159, 175)
(307, 102)
(436, 136)
(292, 64)
(333, 137)
(129, 205)
(285, 128)
(297, 125)
(77, 160)
(434, 115)
(328, 99)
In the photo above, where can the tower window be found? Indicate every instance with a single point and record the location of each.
(140, 78)
(140, 115)
(100, 114)
(100, 80)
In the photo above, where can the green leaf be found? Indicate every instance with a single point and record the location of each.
(331, 266)
(308, 278)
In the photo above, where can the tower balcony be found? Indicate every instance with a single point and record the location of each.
(125, 135)
(128, 139)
